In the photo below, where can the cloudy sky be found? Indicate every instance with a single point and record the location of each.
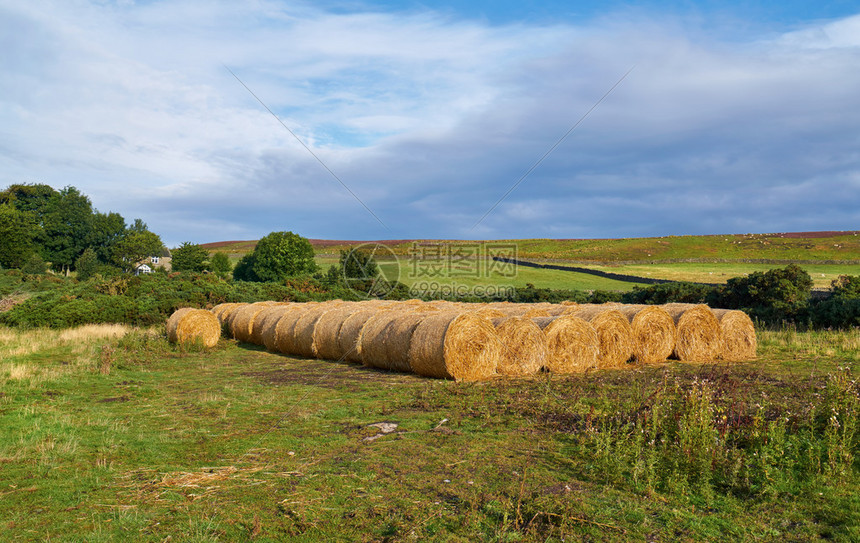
(737, 116)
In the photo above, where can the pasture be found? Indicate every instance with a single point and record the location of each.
(705, 259)
(110, 434)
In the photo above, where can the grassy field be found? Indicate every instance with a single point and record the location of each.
(522, 275)
(111, 434)
(707, 259)
(822, 274)
(800, 246)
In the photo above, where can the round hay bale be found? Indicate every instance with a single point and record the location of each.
(572, 344)
(224, 312)
(739, 339)
(303, 332)
(697, 332)
(349, 335)
(562, 309)
(327, 329)
(188, 326)
(490, 313)
(510, 309)
(219, 309)
(263, 332)
(242, 320)
(263, 319)
(452, 345)
(613, 332)
(386, 337)
(173, 321)
(284, 340)
(653, 332)
(536, 312)
(524, 348)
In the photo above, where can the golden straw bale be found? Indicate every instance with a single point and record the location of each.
(242, 320)
(187, 326)
(303, 332)
(455, 345)
(653, 331)
(224, 312)
(563, 308)
(349, 335)
(327, 329)
(524, 346)
(386, 337)
(284, 341)
(219, 309)
(572, 343)
(173, 320)
(269, 328)
(264, 323)
(536, 312)
(698, 337)
(739, 339)
(510, 309)
(613, 331)
(490, 313)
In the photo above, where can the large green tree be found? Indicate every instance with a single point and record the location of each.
(277, 256)
(135, 245)
(33, 198)
(189, 257)
(68, 223)
(18, 229)
(107, 230)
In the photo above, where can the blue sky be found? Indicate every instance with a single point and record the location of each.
(738, 117)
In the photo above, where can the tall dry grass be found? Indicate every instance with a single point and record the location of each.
(40, 355)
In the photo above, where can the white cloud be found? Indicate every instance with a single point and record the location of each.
(428, 119)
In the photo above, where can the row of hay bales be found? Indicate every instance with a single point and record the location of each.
(475, 341)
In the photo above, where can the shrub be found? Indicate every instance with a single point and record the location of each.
(773, 296)
(244, 270)
(87, 264)
(220, 263)
(842, 309)
(34, 265)
(189, 257)
(683, 292)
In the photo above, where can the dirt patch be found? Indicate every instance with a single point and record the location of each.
(332, 375)
(115, 399)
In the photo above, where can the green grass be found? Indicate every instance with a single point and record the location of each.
(709, 259)
(127, 438)
(706, 248)
(701, 272)
(554, 279)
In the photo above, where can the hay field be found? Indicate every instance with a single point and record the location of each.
(236, 443)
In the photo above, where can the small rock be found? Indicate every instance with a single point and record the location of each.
(384, 427)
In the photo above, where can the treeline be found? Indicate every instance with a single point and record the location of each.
(40, 225)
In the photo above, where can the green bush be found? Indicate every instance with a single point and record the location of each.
(842, 309)
(87, 264)
(683, 292)
(189, 257)
(774, 296)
